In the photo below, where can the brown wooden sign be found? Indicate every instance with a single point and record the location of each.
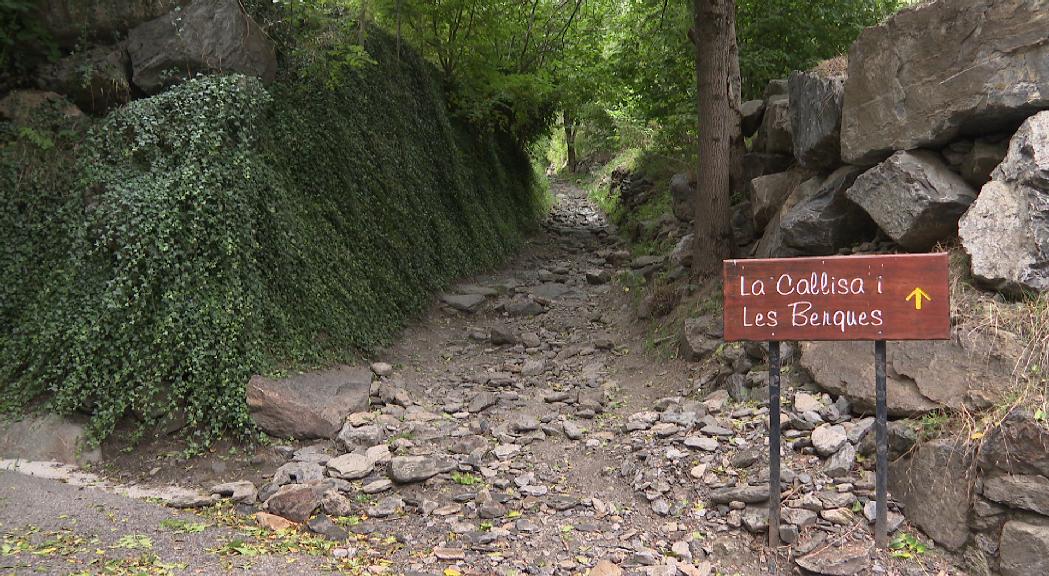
(898, 297)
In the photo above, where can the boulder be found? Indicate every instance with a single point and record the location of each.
(1020, 491)
(940, 69)
(914, 198)
(776, 87)
(19, 106)
(71, 22)
(981, 160)
(468, 303)
(815, 118)
(752, 112)
(1006, 231)
(828, 439)
(934, 485)
(742, 224)
(311, 405)
(682, 254)
(296, 502)
(47, 437)
(756, 164)
(824, 220)
(682, 196)
(206, 36)
(774, 136)
(1019, 445)
(700, 337)
(96, 79)
(768, 193)
(921, 376)
(1024, 548)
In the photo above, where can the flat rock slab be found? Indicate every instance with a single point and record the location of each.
(468, 303)
(46, 437)
(830, 561)
(311, 405)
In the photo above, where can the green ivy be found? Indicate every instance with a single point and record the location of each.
(219, 230)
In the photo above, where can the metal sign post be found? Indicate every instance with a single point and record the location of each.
(872, 298)
(774, 429)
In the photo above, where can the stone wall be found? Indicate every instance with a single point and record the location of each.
(938, 135)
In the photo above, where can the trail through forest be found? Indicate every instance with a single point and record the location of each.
(545, 437)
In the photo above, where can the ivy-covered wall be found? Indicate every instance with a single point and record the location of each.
(222, 229)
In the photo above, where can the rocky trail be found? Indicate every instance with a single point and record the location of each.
(526, 426)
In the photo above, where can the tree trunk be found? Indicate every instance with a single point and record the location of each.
(570, 128)
(714, 20)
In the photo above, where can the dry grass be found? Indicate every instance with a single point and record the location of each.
(837, 66)
(1016, 331)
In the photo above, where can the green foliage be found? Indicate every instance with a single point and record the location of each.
(23, 39)
(906, 546)
(777, 36)
(217, 230)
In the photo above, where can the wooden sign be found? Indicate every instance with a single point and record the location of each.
(897, 297)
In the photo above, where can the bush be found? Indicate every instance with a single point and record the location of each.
(218, 230)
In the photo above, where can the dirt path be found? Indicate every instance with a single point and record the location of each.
(544, 436)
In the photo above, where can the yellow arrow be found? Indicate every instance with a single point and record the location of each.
(917, 296)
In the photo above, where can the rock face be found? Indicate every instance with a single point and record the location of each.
(1006, 231)
(921, 376)
(1019, 446)
(940, 69)
(71, 21)
(935, 486)
(311, 405)
(206, 36)
(768, 193)
(774, 135)
(914, 198)
(48, 437)
(96, 80)
(815, 118)
(1024, 548)
(824, 220)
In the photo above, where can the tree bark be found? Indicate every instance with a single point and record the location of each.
(570, 128)
(714, 20)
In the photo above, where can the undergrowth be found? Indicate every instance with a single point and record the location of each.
(219, 230)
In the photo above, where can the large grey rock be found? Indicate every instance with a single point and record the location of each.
(350, 466)
(1019, 445)
(921, 376)
(748, 494)
(206, 36)
(774, 135)
(982, 159)
(815, 118)
(752, 112)
(71, 22)
(96, 79)
(828, 439)
(756, 164)
(824, 220)
(682, 197)
(359, 438)
(768, 194)
(47, 437)
(940, 69)
(1024, 548)
(914, 198)
(935, 486)
(21, 106)
(849, 560)
(311, 405)
(1021, 491)
(296, 502)
(468, 303)
(700, 337)
(1006, 231)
